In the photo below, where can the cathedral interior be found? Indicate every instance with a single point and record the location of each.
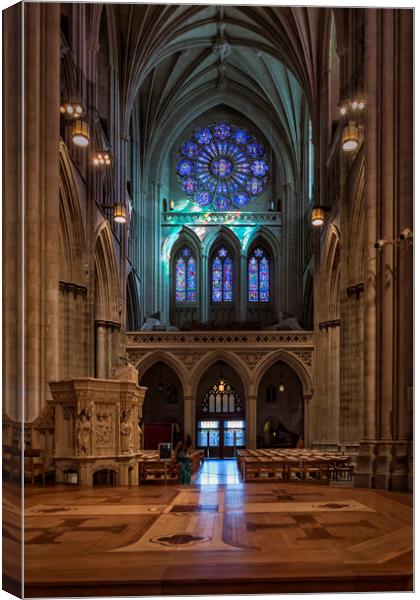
(207, 230)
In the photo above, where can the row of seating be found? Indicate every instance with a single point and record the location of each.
(294, 465)
(153, 468)
(32, 461)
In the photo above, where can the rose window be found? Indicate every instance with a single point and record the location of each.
(222, 167)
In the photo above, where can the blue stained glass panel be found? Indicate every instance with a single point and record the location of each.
(217, 270)
(241, 199)
(253, 280)
(203, 136)
(264, 280)
(191, 280)
(254, 149)
(222, 167)
(222, 130)
(203, 197)
(180, 278)
(190, 149)
(185, 167)
(259, 168)
(254, 186)
(241, 136)
(189, 185)
(222, 203)
(228, 279)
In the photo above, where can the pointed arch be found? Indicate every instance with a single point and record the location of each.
(210, 359)
(106, 277)
(330, 274)
(71, 229)
(144, 364)
(267, 237)
(133, 302)
(292, 361)
(221, 234)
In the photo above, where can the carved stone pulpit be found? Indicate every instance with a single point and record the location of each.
(97, 428)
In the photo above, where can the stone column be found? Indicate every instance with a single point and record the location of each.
(41, 198)
(307, 420)
(101, 349)
(189, 417)
(251, 420)
(388, 300)
(243, 280)
(13, 213)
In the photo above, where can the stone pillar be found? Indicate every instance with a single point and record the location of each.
(388, 274)
(243, 281)
(41, 197)
(13, 213)
(101, 349)
(251, 420)
(306, 419)
(189, 417)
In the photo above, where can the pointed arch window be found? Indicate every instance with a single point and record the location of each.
(222, 276)
(185, 276)
(259, 276)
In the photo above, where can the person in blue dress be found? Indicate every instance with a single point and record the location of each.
(182, 457)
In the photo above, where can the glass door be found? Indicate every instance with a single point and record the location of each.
(208, 438)
(233, 437)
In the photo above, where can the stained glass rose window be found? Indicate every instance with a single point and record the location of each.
(222, 167)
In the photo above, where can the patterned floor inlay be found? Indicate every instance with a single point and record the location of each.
(179, 539)
(157, 533)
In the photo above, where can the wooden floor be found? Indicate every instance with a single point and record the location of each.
(216, 536)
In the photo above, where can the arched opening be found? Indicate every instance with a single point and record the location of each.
(280, 416)
(220, 412)
(184, 293)
(260, 294)
(133, 303)
(163, 406)
(223, 283)
(105, 477)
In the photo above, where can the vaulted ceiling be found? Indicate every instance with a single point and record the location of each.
(185, 59)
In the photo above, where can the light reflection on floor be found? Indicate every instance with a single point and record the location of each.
(215, 472)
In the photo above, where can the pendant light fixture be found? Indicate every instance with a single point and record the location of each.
(80, 133)
(221, 386)
(318, 215)
(120, 213)
(350, 137)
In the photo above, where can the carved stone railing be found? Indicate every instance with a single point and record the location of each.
(222, 218)
(262, 339)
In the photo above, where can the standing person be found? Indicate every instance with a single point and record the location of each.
(181, 456)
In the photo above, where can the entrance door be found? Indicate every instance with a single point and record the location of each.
(221, 437)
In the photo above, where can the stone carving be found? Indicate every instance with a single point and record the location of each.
(192, 338)
(251, 358)
(103, 426)
(305, 356)
(189, 359)
(126, 432)
(83, 432)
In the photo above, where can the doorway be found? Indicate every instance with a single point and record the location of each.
(221, 437)
(220, 418)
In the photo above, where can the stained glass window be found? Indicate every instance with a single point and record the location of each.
(222, 276)
(185, 276)
(222, 167)
(228, 401)
(259, 277)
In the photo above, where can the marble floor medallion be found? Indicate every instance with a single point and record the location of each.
(179, 539)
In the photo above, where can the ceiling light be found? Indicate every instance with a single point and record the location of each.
(120, 214)
(350, 137)
(318, 216)
(80, 133)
